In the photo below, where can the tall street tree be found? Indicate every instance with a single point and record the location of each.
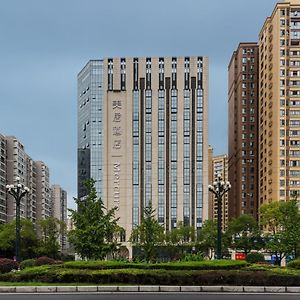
(96, 228)
(148, 235)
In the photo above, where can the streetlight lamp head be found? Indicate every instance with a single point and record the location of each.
(215, 183)
(19, 185)
(26, 189)
(17, 178)
(219, 176)
(7, 186)
(210, 188)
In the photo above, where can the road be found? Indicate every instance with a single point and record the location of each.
(150, 296)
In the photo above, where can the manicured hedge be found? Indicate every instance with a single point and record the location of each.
(152, 277)
(188, 265)
(295, 264)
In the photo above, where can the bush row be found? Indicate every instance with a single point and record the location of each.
(187, 265)
(295, 264)
(156, 277)
(43, 260)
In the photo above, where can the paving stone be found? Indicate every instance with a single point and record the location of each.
(46, 289)
(190, 289)
(169, 288)
(212, 288)
(108, 288)
(133, 288)
(275, 289)
(91, 288)
(233, 289)
(25, 289)
(7, 289)
(149, 288)
(66, 289)
(293, 289)
(254, 289)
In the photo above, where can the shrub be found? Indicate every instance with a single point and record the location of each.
(187, 265)
(27, 263)
(295, 264)
(255, 257)
(44, 260)
(7, 265)
(193, 257)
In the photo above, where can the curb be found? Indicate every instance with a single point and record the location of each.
(148, 289)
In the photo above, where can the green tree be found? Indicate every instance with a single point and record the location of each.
(96, 230)
(28, 239)
(148, 235)
(50, 230)
(243, 234)
(281, 221)
(207, 238)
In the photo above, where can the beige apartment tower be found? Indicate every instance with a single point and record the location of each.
(151, 127)
(279, 104)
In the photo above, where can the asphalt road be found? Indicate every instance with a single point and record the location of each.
(148, 296)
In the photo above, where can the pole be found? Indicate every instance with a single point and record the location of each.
(18, 236)
(219, 226)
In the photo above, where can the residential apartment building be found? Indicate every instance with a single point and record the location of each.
(279, 104)
(59, 211)
(243, 131)
(142, 135)
(2, 179)
(15, 162)
(218, 166)
(43, 191)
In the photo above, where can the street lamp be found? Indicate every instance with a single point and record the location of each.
(219, 188)
(18, 191)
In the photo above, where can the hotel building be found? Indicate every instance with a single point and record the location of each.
(142, 135)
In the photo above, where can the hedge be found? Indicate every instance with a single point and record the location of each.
(295, 264)
(153, 277)
(7, 265)
(187, 265)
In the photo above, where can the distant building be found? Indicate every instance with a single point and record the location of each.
(15, 162)
(142, 135)
(218, 166)
(59, 211)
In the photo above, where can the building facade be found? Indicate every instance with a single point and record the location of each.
(59, 211)
(15, 162)
(243, 121)
(2, 179)
(150, 132)
(279, 104)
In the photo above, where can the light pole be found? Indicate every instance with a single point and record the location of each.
(18, 191)
(219, 188)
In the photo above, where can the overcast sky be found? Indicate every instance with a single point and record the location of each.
(45, 43)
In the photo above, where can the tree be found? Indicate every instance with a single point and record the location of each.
(28, 239)
(207, 238)
(96, 229)
(244, 234)
(148, 235)
(282, 228)
(49, 244)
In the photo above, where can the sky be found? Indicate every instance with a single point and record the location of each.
(45, 43)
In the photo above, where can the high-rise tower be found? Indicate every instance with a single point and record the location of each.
(145, 131)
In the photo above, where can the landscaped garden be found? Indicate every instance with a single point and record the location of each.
(214, 272)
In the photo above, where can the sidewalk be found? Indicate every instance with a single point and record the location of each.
(148, 289)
